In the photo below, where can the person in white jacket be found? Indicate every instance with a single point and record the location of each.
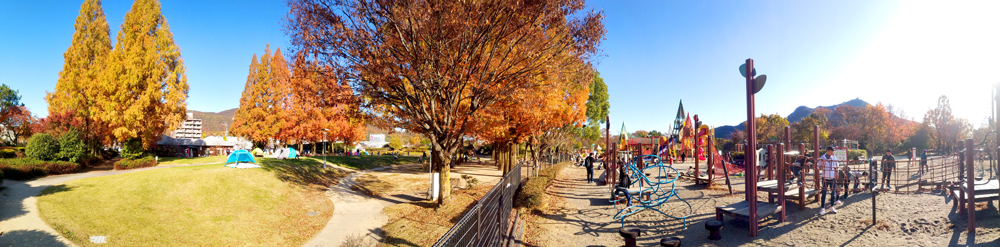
(828, 164)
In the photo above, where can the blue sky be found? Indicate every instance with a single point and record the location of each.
(904, 53)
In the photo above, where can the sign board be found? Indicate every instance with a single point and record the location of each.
(841, 154)
(743, 71)
(376, 138)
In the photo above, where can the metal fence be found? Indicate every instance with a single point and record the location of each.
(487, 223)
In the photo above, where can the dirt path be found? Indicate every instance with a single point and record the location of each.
(581, 210)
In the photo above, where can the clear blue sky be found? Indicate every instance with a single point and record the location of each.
(657, 52)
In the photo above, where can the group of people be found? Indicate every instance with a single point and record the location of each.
(836, 176)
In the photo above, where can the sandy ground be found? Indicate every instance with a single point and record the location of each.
(582, 211)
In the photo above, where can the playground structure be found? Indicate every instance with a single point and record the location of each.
(651, 193)
(969, 176)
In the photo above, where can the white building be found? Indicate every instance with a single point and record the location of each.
(189, 129)
(374, 141)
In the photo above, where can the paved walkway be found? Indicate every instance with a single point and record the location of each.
(21, 225)
(357, 214)
(353, 214)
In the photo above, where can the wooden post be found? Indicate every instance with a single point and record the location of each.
(751, 150)
(781, 180)
(815, 158)
(697, 168)
(710, 163)
(802, 170)
(970, 186)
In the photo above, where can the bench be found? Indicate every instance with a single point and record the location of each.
(742, 210)
(956, 194)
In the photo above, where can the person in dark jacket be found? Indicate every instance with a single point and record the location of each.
(589, 163)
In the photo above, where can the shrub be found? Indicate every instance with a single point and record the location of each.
(470, 181)
(27, 168)
(853, 154)
(132, 149)
(42, 146)
(532, 194)
(126, 164)
(7, 153)
(71, 147)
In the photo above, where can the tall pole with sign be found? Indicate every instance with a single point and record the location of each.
(753, 84)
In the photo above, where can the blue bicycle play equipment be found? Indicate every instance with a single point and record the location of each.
(651, 193)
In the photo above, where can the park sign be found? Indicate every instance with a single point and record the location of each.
(758, 81)
(840, 154)
(743, 70)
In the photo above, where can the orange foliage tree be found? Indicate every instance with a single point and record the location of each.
(432, 66)
(262, 106)
(143, 87)
(77, 87)
(316, 102)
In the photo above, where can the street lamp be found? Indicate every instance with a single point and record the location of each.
(324, 147)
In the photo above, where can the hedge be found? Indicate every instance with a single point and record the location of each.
(27, 168)
(11, 152)
(126, 164)
(532, 194)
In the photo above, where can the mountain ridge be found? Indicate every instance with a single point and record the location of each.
(794, 117)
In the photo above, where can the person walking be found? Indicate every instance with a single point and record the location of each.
(923, 162)
(828, 164)
(888, 164)
(589, 163)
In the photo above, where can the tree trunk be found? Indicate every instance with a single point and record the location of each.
(441, 161)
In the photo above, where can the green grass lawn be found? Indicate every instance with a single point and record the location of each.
(208, 205)
(366, 161)
(166, 161)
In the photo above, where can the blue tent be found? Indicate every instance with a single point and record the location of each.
(292, 153)
(242, 158)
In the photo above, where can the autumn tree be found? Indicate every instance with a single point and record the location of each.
(946, 129)
(803, 130)
(78, 86)
(430, 67)
(640, 133)
(261, 115)
(14, 117)
(315, 101)
(396, 141)
(770, 127)
(143, 86)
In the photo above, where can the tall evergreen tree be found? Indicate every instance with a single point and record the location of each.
(143, 86)
(77, 84)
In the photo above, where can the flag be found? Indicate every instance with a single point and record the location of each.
(623, 138)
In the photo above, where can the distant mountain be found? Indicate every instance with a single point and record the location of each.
(796, 116)
(215, 122)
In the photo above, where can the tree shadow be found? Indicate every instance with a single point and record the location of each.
(304, 172)
(29, 238)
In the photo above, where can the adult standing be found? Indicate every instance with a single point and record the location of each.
(923, 162)
(828, 164)
(589, 163)
(888, 164)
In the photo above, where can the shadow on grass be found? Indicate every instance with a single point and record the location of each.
(304, 172)
(29, 238)
(367, 162)
(55, 189)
